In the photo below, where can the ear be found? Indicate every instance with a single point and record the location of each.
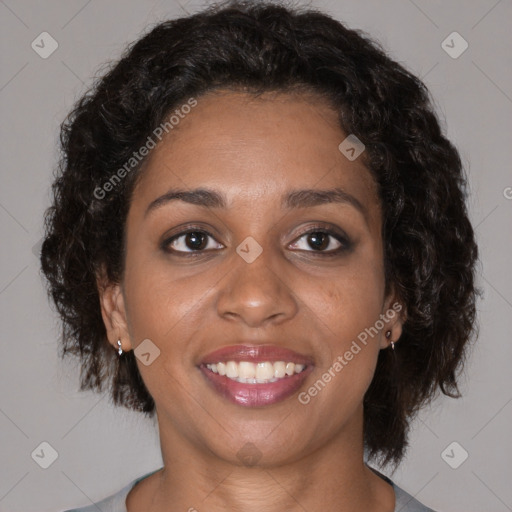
(113, 312)
(393, 315)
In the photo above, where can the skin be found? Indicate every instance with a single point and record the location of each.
(254, 150)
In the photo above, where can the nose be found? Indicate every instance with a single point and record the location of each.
(257, 293)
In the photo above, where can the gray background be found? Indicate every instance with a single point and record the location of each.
(101, 448)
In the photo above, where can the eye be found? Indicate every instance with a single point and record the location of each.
(190, 241)
(323, 241)
(196, 241)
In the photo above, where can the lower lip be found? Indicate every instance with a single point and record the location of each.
(256, 395)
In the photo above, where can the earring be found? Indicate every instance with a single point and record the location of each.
(120, 349)
(388, 335)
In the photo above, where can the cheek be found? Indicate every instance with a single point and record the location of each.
(161, 305)
(162, 308)
(347, 308)
(337, 386)
(168, 311)
(348, 302)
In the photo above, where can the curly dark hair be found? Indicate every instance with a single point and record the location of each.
(429, 247)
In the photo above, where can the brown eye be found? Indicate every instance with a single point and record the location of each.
(318, 240)
(322, 241)
(189, 242)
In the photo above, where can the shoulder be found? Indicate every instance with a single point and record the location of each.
(407, 503)
(114, 503)
(404, 502)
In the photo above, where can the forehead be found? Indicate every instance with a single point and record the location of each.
(254, 147)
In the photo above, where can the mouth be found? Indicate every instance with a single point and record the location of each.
(255, 376)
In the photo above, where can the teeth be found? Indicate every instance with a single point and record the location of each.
(231, 369)
(246, 370)
(256, 373)
(264, 371)
(279, 370)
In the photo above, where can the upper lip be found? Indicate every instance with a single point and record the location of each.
(255, 354)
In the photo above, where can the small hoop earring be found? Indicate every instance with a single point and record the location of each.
(120, 349)
(388, 335)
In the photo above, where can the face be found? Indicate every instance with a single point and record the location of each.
(275, 285)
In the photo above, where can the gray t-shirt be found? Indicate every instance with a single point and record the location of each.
(117, 502)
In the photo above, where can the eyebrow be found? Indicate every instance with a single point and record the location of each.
(302, 198)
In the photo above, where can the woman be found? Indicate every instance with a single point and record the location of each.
(259, 234)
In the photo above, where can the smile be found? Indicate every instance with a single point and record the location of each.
(255, 376)
(256, 373)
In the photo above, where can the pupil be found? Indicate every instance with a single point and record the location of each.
(319, 240)
(197, 240)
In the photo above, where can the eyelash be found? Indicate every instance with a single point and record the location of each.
(345, 246)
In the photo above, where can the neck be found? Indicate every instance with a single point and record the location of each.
(331, 478)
